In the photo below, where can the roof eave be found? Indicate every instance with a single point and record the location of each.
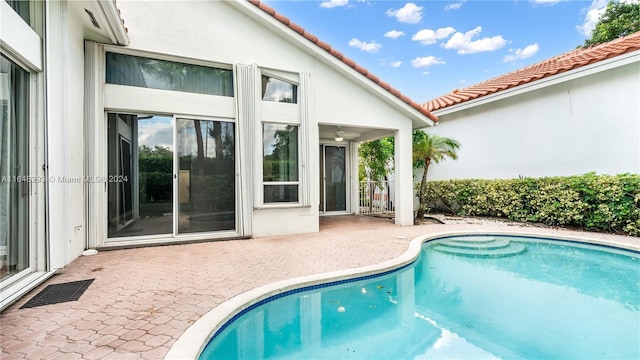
(603, 65)
(117, 31)
(420, 117)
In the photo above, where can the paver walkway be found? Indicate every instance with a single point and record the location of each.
(143, 299)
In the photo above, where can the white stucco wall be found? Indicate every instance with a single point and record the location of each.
(589, 123)
(219, 32)
(65, 133)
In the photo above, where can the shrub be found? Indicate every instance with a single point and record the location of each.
(592, 202)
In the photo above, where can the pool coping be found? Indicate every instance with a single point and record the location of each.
(193, 341)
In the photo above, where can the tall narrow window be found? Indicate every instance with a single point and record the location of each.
(280, 163)
(14, 188)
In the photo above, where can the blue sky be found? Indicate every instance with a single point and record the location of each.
(426, 49)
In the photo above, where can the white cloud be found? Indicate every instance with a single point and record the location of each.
(596, 9)
(395, 64)
(410, 13)
(545, 2)
(527, 52)
(394, 34)
(370, 47)
(454, 6)
(333, 3)
(426, 61)
(428, 36)
(464, 44)
(156, 131)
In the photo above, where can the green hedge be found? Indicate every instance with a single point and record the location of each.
(592, 202)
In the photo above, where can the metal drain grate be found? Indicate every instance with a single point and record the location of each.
(58, 293)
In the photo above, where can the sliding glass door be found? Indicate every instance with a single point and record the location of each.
(169, 176)
(206, 176)
(14, 169)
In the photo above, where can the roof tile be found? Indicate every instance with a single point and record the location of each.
(311, 37)
(373, 78)
(283, 19)
(338, 55)
(568, 61)
(384, 85)
(349, 62)
(264, 7)
(323, 45)
(361, 70)
(295, 27)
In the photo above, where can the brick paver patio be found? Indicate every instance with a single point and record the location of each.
(143, 299)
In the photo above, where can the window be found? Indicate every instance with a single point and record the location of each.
(280, 163)
(278, 90)
(31, 11)
(22, 8)
(168, 75)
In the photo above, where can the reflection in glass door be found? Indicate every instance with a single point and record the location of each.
(146, 196)
(14, 188)
(140, 180)
(206, 176)
(333, 191)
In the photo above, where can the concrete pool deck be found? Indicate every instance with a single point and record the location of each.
(143, 299)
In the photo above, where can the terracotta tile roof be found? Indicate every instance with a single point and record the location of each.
(556, 65)
(338, 55)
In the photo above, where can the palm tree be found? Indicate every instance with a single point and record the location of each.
(429, 148)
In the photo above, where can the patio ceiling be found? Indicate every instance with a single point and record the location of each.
(353, 133)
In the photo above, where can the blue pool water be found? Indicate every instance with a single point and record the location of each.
(465, 297)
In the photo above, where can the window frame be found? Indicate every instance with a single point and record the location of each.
(24, 48)
(168, 59)
(112, 98)
(294, 84)
(297, 182)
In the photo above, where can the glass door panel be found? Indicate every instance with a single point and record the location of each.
(14, 188)
(322, 202)
(206, 176)
(140, 175)
(335, 189)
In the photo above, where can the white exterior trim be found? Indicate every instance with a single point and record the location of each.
(117, 31)
(136, 99)
(18, 39)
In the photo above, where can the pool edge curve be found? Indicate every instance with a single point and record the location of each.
(194, 339)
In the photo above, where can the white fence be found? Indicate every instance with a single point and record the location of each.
(376, 197)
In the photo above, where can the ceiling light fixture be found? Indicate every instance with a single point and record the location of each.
(339, 134)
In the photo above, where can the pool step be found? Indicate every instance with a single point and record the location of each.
(477, 245)
(481, 247)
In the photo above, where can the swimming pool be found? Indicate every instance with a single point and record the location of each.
(465, 297)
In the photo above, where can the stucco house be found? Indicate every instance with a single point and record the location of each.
(163, 122)
(572, 114)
